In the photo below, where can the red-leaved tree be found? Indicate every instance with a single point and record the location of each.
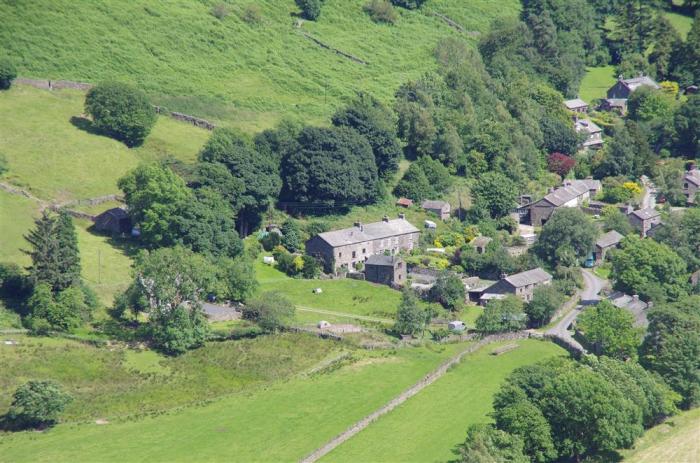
(560, 163)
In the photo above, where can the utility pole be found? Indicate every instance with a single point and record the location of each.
(99, 266)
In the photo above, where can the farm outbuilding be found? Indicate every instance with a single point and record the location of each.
(114, 220)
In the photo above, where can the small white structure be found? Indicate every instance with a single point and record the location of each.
(322, 325)
(436, 250)
(317, 291)
(430, 224)
(269, 260)
(456, 325)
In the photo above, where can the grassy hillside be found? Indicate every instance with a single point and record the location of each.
(677, 440)
(227, 69)
(51, 153)
(431, 424)
(281, 422)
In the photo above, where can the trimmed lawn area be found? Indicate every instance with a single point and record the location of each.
(343, 295)
(281, 422)
(429, 425)
(677, 441)
(57, 161)
(596, 83)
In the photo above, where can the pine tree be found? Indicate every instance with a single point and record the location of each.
(54, 251)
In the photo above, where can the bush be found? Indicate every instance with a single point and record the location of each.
(381, 11)
(8, 73)
(37, 404)
(252, 14)
(179, 331)
(121, 111)
(3, 164)
(271, 311)
(310, 9)
(220, 11)
(270, 241)
(408, 4)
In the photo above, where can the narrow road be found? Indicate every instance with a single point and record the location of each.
(590, 295)
(343, 314)
(649, 197)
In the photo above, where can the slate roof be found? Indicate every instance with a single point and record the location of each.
(404, 202)
(430, 204)
(381, 259)
(631, 304)
(589, 183)
(616, 102)
(646, 214)
(116, 212)
(368, 232)
(587, 125)
(611, 238)
(636, 82)
(693, 176)
(575, 103)
(566, 193)
(529, 277)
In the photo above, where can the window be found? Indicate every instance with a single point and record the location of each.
(353, 254)
(685, 185)
(364, 251)
(400, 265)
(340, 254)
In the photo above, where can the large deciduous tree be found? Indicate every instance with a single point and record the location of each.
(545, 302)
(122, 111)
(334, 166)
(484, 443)
(495, 194)
(502, 315)
(610, 330)
(376, 123)
(448, 291)
(687, 126)
(37, 404)
(411, 318)
(650, 269)
(257, 173)
(270, 310)
(568, 235)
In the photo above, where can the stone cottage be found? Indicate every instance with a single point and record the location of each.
(386, 270)
(520, 284)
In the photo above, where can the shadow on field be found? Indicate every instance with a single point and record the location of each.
(85, 125)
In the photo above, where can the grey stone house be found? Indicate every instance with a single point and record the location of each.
(623, 88)
(386, 270)
(644, 220)
(572, 194)
(593, 133)
(520, 284)
(576, 105)
(605, 243)
(344, 248)
(691, 184)
(439, 208)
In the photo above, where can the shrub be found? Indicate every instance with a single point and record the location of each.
(252, 14)
(220, 11)
(37, 404)
(179, 331)
(408, 4)
(271, 311)
(381, 11)
(121, 111)
(310, 9)
(3, 164)
(8, 73)
(560, 164)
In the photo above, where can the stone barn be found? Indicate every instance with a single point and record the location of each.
(115, 221)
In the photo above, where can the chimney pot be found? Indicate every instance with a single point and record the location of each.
(402, 216)
(635, 297)
(385, 218)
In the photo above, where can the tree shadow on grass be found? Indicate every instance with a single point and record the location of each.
(85, 125)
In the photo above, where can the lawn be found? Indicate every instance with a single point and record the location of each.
(596, 83)
(429, 425)
(281, 422)
(49, 154)
(345, 295)
(677, 440)
(251, 74)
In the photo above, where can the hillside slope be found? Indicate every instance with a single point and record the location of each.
(252, 74)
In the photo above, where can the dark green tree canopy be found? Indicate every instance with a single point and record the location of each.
(411, 318)
(8, 73)
(650, 269)
(502, 315)
(376, 123)
(568, 235)
(448, 291)
(121, 111)
(271, 310)
(610, 331)
(334, 166)
(37, 404)
(495, 194)
(687, 126)
(484, 443)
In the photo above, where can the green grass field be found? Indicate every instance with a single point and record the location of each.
(428, 426)
(115, 382)
(250, 75)
(681, 22)
(16, 218)
(675, 441)
(279, 422)
(57, 161)
(596, 83)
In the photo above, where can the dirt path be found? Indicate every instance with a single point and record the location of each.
(407, 394)
(343, 314)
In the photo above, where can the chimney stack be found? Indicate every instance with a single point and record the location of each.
(385, 218)
(635, 297)
(402, 216)
(503, 276)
